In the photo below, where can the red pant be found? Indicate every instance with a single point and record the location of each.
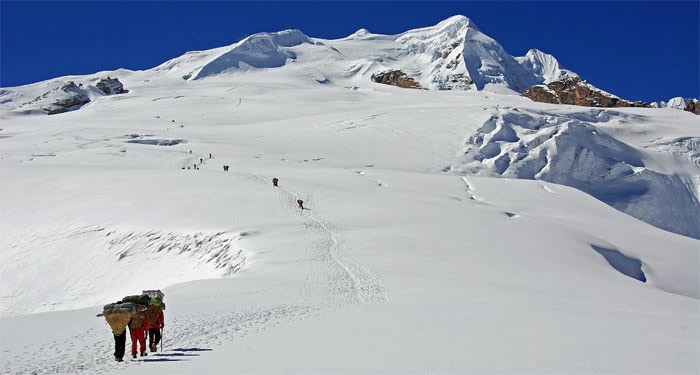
(137, 335)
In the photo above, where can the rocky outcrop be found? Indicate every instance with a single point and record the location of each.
(571, 90)
(111, 86)
(69, 97)
(395, 78)
(693, 106)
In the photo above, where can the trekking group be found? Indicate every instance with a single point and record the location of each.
(143, 315)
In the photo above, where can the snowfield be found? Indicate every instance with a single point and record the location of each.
(447, 231)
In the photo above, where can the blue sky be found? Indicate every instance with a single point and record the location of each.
(637, 50)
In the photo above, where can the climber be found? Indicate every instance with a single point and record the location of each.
(118, 315)
(275, 181)
(155, 322)
(300, 203)
(137, 330)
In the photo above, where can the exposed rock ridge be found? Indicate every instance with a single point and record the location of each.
(395, 78)
(571, 90)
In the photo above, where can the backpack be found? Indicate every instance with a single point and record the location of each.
(137, 318)
(118, 316)
(142, 299)
(152, 315)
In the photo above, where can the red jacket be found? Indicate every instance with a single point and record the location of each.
(154, 317)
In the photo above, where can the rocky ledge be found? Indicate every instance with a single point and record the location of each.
(395, 78)
(693, 106)
(571, 90)
(70, 97)
(111, 86)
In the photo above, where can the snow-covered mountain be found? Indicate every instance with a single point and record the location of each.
(454, 54)
(445, 226)
(684, 104)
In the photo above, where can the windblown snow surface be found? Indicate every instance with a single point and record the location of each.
(462, 231)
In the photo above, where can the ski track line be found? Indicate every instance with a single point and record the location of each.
(366, 286)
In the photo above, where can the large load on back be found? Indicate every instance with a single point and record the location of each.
(138, 317)
(142, 299)
(154, 293)
(118, 316)
(154, 314)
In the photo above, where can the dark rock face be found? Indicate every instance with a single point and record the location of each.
(395, 78)
(73, 97)
(693, 106)
(111, 86)
(571, 90)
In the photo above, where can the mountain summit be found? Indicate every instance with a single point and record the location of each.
(453, 54)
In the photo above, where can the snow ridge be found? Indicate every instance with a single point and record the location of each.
(570, 150)
(264, 50)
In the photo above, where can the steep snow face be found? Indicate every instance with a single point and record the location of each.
(455, 54)
(570, 150)
(544, 66)
(677, 103)
(486, 62)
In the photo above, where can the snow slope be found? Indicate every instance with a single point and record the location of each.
(411, 258)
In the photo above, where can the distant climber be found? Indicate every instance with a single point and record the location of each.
(155, 321)
(225, 168)
(201, 160)
(300, 203)
(190, 151)
(275, 181)
(209, 155)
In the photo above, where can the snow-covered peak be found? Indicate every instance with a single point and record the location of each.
(453, 54)
(361, 33)
(455, 26)
(681, 103)
(456, 22)
(263, 50)
(544, 66)
(677, 103)
(474, 57)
